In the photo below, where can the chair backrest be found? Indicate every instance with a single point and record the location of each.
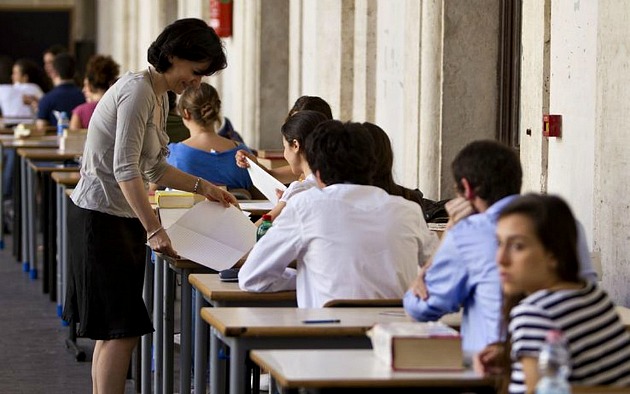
(599, 389)
(384, 302)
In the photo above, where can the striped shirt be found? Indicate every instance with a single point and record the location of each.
(599, 345)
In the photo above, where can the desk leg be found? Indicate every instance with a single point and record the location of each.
(167, 339)
(217, 368)
(145, 376)
(2, 196)
(31, 180)
(201, 344)
(26, 264)
(59, 258)
(158, 296)
(239, 378)
(185, 345)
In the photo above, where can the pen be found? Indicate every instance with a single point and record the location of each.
(323, 321)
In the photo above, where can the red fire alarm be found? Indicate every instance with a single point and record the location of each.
(552, 125)
(221, 17)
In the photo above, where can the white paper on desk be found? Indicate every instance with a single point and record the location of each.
(212, 235)
(168, 216)
(256, 205)
(264, 182)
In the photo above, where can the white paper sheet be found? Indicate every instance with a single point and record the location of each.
(212, 235)
(256, 205)
(264, 182)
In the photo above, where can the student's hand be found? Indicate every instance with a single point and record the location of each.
(458, 208)
(488, 361)
(279, 193)
(29, 99)
(241, 156)
(419, 287)
(161, 243)
(213, 193)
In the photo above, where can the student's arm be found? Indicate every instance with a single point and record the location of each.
(446, 281)
(266, 267)
(75, 122)
(530, 371)
(274, 212)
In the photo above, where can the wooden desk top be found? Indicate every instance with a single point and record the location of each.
(353, 368)
(214, 289)
(275, 322)
(48, 142)
(48, 166)
(181, 263)
(68, 179)
(48, 154)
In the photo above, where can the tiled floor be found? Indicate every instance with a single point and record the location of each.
(33, 356)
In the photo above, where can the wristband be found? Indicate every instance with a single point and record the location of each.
(157, 230)
(194, 190)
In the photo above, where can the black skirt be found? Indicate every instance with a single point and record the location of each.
(106, 262)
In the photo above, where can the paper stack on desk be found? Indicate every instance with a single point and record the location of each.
(212, 235)
(417, 345)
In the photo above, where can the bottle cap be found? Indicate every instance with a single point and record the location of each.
(266, 217)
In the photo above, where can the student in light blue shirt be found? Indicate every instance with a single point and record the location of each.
(463, 272)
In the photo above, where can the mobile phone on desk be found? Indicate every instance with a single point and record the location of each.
(229, 275)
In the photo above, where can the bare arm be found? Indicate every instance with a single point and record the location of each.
(530, 370)
(75, 122)
(177, 179)
(136, 196)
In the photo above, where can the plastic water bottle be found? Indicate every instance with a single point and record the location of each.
(264, 226)
(63, 123)
(554, 365)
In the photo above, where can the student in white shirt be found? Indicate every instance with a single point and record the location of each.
(350, 240)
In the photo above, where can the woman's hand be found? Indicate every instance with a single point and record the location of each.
(213, 193)
(241, 158)
(161, 243)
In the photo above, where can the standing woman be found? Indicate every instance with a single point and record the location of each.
(111, 218)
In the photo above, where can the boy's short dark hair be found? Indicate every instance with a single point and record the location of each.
(341, 153)
(64, 65)
(492, 169)
(189, 39)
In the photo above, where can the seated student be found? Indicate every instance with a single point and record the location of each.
(285, 174)
(20, 80)
(351, 240)
(537, 260)
(101, 72)
(463, 272)
(64, 97)
(294, 133)
(384, 163)
(206, 154)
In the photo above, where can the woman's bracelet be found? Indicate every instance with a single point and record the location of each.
(196, 186)
(157, 230)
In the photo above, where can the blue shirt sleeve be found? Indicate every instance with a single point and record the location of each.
(447, 284)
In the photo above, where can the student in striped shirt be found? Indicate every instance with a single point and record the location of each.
(537, 261)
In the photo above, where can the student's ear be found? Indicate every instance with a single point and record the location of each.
(185, 114)
(295, 145)
(469, 193)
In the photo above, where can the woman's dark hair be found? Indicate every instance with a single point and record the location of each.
(101, 72)
(35, 73)
(189, 39)
(203, 104)
(554, 225)
(341, 153)
(312, 103)
(384, 163)
(300, 125)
